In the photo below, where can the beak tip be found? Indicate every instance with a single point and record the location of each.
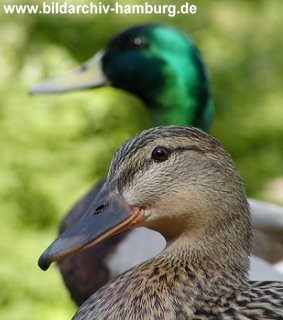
(43, 262)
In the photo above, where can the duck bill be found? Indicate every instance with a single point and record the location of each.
(109, 214)
(88, 75)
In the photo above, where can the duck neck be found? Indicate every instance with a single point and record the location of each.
(185, 98)
(206, 264)
(183, 109)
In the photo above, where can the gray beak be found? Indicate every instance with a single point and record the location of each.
(89, 75)
(109, 214)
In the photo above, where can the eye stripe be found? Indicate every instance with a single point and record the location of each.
(127, 175)
(191, 148)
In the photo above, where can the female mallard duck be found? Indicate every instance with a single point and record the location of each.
(181, 182)
(164, 68)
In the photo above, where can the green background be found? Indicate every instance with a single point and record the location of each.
(54, 147)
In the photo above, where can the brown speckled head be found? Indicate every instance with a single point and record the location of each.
(194, 187)
(174, 179)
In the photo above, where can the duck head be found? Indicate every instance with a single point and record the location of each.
(159, 64)
(174, 179)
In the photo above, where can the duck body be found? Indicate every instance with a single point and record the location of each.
(180, 182)
(194, 295)
(164, 68)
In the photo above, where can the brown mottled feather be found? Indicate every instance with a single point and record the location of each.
(161, 291)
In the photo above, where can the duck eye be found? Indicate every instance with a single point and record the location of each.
(160, 154)
(136, 43)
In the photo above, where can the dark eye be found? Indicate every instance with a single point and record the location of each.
(160, 154)
(136, 43)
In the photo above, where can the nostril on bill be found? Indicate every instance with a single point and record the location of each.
(99, 209)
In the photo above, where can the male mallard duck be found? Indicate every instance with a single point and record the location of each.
(164, 68)
(181, 182)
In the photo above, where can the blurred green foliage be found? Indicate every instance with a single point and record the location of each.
(54, 147)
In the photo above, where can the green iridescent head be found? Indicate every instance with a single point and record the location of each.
(159, 64)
